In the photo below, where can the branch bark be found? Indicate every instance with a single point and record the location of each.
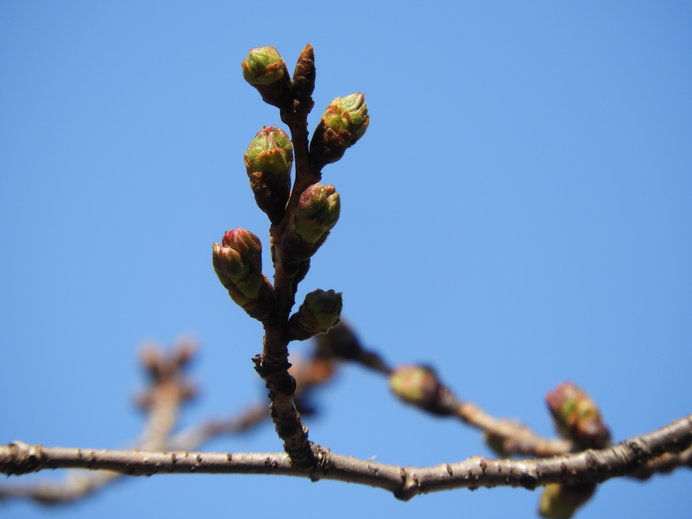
(628, 457)
(272, 365)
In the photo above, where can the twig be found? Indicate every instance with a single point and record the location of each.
(507, 437)
(404, 482)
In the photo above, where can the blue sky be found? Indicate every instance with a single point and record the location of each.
(518, 214)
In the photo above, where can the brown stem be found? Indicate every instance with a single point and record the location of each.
(273, 364)
(404, 482)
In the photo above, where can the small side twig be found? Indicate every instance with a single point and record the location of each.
(163, 400)
(508, 437)
(168, 390)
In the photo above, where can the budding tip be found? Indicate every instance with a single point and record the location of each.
(263, 66)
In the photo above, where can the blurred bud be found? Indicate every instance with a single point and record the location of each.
(561, 501)
(414, 384)
(342, 124)
(420, 386)
(577, 417)
(317, 212)
(265, 69)
(341, 343)
(238, 264)
(263, 66)
(268, 162)
(319, 312)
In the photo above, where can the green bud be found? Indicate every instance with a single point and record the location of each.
(342, 124)
(561, 501)
(270, 151)
(349, 113)
(317, 212)
(263, 66)
(324, 307)
(319, 312)
(266, 71)
(268, 161)
(577, 417)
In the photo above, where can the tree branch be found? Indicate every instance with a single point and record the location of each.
(627, 457)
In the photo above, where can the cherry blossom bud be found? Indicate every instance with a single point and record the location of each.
(265, 69)
(238, 264)
(263, 66)
(319, 312)
(317, 212)
(342, 124)
(268, 162)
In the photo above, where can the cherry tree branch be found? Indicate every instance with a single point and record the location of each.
(404, 482)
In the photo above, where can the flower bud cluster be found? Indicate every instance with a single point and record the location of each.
(268, 162)
(320, 311)
(238, 264)
(300, 221)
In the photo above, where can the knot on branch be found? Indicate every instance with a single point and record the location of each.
(22, 459)
(276, 376)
